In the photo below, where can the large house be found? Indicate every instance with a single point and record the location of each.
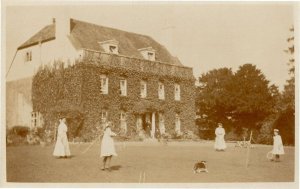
(160, 92)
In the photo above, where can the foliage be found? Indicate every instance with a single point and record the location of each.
(206, 128)
(16, 135)
(289, 88)
(286, 125)
(286, 120)
(75, 91)
(13, 140)
(252, 98)
(239, 100)
(19, 130)
(266, 131)
(176, 135)
(232, 136)
(190, 135)
(214, 97)
(23, 135)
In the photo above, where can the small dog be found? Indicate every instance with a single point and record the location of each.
(200, 167)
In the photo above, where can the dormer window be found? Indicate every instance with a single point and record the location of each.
(110, 46)
(28, 56)
(148, 53)
(151, 56)
(113, 49)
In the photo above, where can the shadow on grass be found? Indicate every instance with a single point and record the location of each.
(64, 157)
(115, 167)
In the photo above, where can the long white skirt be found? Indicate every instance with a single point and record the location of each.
(278, 149)
(62, 147)
(220, 143)
(107, 147)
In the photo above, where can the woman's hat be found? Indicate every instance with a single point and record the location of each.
(61, 116)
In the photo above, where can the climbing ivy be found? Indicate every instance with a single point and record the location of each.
(74, 91)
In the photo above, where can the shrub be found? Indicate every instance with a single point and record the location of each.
(166, 136)
(19, 130)
(265, 134)
(189, 135)
(33, 139)
(233, 136)
(176, 135)
(208, 134)
(17, 135)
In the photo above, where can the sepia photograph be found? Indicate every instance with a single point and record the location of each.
(149, 94)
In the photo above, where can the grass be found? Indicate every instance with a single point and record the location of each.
(170, 163)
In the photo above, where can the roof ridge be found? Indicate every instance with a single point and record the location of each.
(85, 34)
(111, 28)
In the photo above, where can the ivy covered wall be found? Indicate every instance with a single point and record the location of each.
(75, 92)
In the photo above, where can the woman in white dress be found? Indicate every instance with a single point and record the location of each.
(62, 148)
(220, 144)
(277, 146)
(107, 146)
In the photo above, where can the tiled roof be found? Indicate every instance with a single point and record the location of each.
(87, 35)
(45, 34)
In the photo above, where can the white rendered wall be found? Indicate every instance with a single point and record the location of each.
(46, 53)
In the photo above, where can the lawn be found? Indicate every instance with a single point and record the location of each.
(170, 163)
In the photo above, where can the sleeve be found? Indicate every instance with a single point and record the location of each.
(65, 128)
(111, 133)
(59, 130)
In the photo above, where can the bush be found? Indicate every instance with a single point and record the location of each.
(33, 139)
(176, 135)
(13, 139)
(189, 135)
(20, 135)
(166, 136)
(16, 135)
(266, 131)
(19, 130)
(207, 134)
(39, 136)
(186, 135)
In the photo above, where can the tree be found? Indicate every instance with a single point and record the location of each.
(283, 116)
(253, 98)
(277, 99)
(289, 88)
(242, 101)
(214, 98)
(286, 120)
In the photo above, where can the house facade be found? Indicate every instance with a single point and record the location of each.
(120, 76)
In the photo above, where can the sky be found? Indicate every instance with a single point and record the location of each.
(202, 35)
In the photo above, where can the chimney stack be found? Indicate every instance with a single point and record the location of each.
(62, 27)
